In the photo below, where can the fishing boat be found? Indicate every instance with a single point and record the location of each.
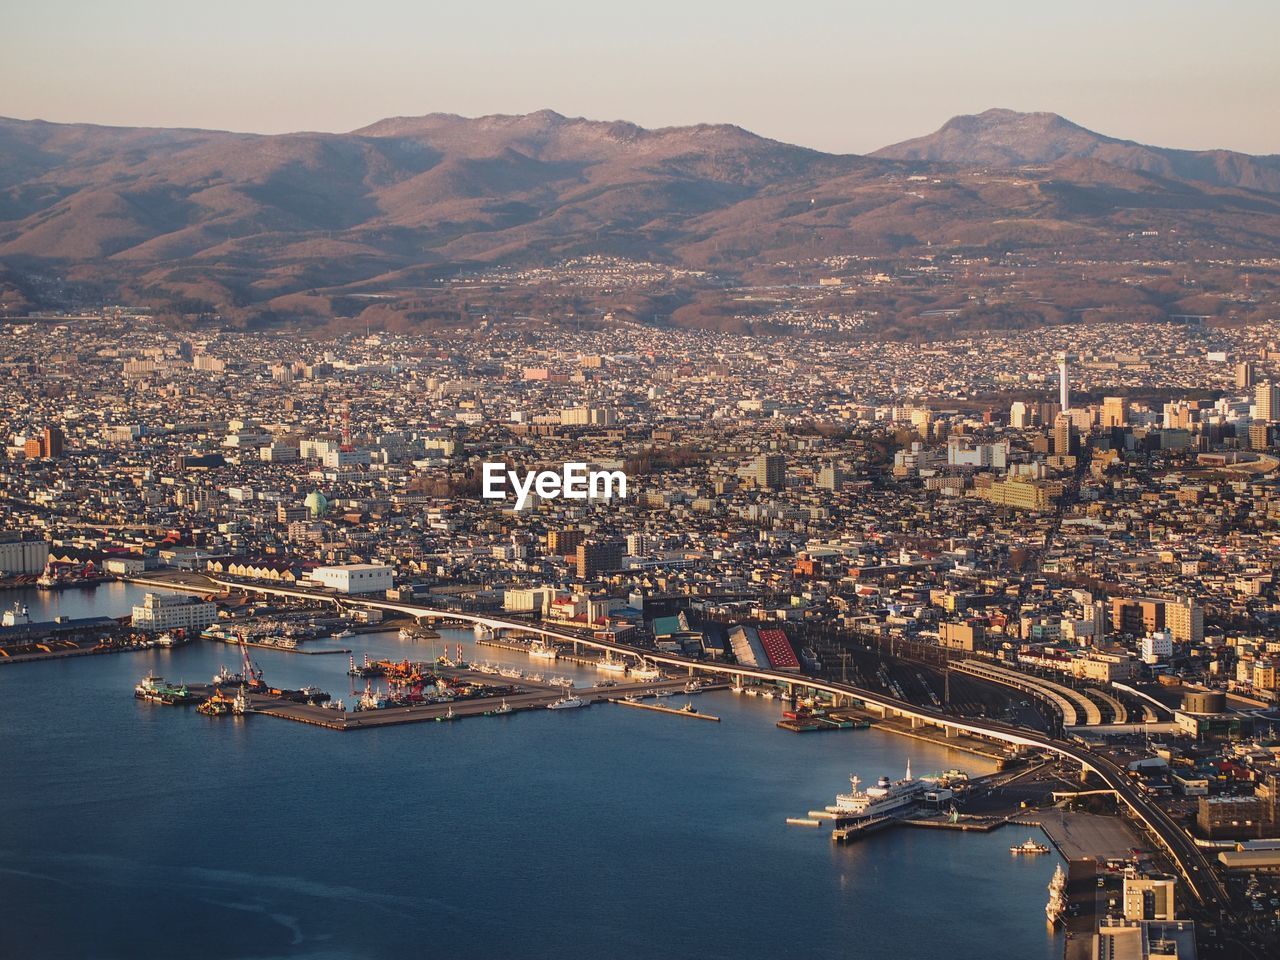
(568, 703)
(1028, 847)
(543, 651)
(505, 708)
(688, 708)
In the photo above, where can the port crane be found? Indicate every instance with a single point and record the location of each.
(251, 672)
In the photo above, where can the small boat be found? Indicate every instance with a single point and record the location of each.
(568, 703)
(1029, 847)
(343, 634)
(505, 708)
(543, 651)
(688, 708)
(662, 693)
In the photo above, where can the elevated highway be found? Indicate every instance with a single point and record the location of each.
(1075, 707)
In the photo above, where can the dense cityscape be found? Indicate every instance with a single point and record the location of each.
(1063, 539)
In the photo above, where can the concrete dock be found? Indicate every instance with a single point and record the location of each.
(531, 696)
(658, 709)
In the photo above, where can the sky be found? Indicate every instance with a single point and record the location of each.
(844, 76)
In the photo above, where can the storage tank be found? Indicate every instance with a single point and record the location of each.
(1204, 701)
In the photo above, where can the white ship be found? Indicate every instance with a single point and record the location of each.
(646, 671)
(1057, 904)
(612, 665)
(1029, 847)
(886, 798)
(543, 651)
(568, 703)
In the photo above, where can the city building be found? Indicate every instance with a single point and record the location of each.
(354, 577)
(173, 611)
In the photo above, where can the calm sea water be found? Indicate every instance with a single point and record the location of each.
(134, 830)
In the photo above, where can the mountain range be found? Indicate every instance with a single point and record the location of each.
(299, 224)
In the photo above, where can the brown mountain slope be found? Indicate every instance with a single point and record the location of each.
(1007, 138)
(261, 223)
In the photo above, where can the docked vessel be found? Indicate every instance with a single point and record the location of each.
(158, 690)
(226, 677)
(612, 665)
(886, 798)
(568, 703)
(1028, 847)
(543, 651)
(644, 671)
(1057, 904)
(217, 705)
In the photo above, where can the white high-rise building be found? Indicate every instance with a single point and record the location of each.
(1064, 387)
(1267, 401)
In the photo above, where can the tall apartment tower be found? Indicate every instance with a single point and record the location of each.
(1244, 375)
(1184, 620)
(562, 543)
(53, 441)
(1063, 435)
(1064, 385)
(599, 556)
(771, 471)
(1267, 401)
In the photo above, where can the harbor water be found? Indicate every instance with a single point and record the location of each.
(137, 830)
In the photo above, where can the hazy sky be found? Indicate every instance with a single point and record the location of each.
(840, 75)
